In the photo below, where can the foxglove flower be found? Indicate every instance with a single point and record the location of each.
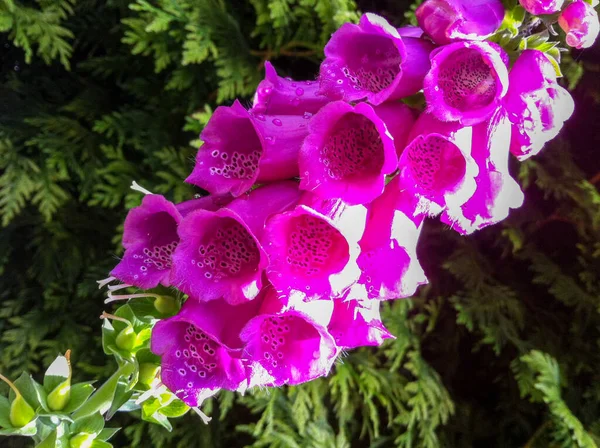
(541, 7)
(284, 96)
(357, 323)
(466, 82)
(497, 192)
(150, 238)
(287, 345)
(314, 247)
(437, 166)
(200, 348)
(347, 153)
(388, 261)
(371, 60)
(580, 21)
(241, 148)
(410, 31)
(537, 106)
(447, 21)
(220, 254)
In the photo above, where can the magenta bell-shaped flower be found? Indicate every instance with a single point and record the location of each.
(349, 150)
(200, 348)
(357, 323)
(220, 254)
(437, 166)
(497, 192)
(150, 238)
(284, 96)
(390, 240)
(541, 7)
(371, 60)
(313, 248)
(288, 341)
(580, 21)
(447, 21)
(467, 81)
(536, 105)
(242, 147)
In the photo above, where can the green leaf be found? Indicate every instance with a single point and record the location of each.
(27, 387)
(122, 395)
(50, 441)
(176, 408)
(100, 444)
(92, 424)
(101, 400)
(107, 433)
(56, 373)
(30, 429)
(80, 392)
(4, 413)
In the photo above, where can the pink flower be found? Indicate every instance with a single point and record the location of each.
(466, 82)
(357, 323)
(541, 7)
(497, 192)
(348, 152)
(220, 254)
(313, 248)
(288, 342)
(437, 166)
(388, 261)
(537, 106)
(370, 60)
(150, 238)
(447, 21)
(242, 148)
(200, 348)
(580, 21)
(284, 96)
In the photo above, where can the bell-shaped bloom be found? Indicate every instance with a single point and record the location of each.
(447, 21)
(200, 348)
(580, 21)
(284, 96)
(497, 192)
(541, 7)
(371, 60)
(466, 82)
(437, 166)
(537, 106)
(287, 345)
(357, 323)
(220, 254)
(313, 248)
(388, 261)
(150, 238)
(347, 153)
(241, 148)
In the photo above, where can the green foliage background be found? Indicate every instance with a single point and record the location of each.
(500, 350)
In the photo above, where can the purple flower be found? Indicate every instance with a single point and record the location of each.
(314, 247)
(370, 60)
(286, 345)
(200, 348)
(537, 106)
(497, 192)
(357, 323)
(410, 31)
(220, 254)
(284, 96)
(437, 166)
(347, 153)
(241, 148)
(580, 21)
(388, 261)
(466, 82)
(447, 21)
(540, 7)
(150, 238)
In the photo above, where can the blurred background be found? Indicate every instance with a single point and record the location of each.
(500, 350)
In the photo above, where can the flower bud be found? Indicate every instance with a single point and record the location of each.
(82, 440)
(580, 21)
(166, 305)
(540, 7)
(20, 412)
(59, 397)
(147, 373)
(126, 338)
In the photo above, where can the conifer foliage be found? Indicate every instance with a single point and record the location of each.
(500, 349)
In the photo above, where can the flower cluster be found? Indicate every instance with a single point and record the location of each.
(319, 191)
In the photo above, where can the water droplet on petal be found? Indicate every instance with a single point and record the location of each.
(299, 91)
(277, 122)
(260, 117)
(307, 115)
